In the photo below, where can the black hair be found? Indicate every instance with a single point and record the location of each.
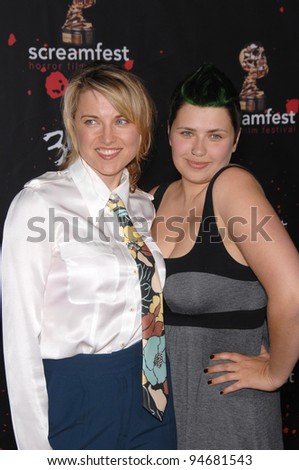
(207, 87)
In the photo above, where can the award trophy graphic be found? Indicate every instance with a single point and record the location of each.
(253, 61)
(76, 30)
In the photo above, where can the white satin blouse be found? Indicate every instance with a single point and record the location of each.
(70, 286)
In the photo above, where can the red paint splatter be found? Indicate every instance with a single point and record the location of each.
(128, 65)
(294, 431)
(292, 105)
(285, 430)
(161, 52)
(29, 92)
(11, 39)
(281, 9)
(56, 84)
(45, 45)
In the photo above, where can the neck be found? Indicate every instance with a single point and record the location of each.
(189, 191)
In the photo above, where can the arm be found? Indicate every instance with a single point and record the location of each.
(25, 266)
(269, 251)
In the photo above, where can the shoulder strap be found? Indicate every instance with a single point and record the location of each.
(208, 216)
(233, 165)
(211, 184)
(158, 196)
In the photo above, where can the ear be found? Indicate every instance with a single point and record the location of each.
(168, 132)
(236, 141)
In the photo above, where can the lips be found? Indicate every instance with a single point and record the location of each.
(197, 165)
(108, 153)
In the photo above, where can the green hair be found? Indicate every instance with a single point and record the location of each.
(207, 87)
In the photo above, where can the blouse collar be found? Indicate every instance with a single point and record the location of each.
(92, 188)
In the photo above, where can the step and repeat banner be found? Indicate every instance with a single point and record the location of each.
(255, 42)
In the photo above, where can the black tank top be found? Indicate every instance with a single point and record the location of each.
(207, 287)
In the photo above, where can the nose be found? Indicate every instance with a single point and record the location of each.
(107, 134)
(198, 148)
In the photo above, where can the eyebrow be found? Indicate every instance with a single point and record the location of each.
(186, 128)
(88, 115)
(95, 116)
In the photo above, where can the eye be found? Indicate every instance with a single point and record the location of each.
(215, 136)
(90, 122)
(121, 121)
(186, 133)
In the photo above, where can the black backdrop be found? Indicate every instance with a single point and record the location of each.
(161, 41)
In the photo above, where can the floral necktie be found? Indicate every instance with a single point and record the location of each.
(154, 382)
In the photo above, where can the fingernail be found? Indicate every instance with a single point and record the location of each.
(205, 371)
(221, 393)
(209, 382)
(212, 356)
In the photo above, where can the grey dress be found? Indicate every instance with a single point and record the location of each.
(214, 304)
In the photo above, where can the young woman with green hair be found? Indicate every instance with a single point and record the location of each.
(231, 278)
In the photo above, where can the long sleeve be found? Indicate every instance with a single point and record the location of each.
(25, 266)
(69, 285)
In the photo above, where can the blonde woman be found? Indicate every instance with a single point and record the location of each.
(77, 288)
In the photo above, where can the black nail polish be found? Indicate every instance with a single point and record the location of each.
(205, 371)
(209, 382)
(221, 393)
(212, 356)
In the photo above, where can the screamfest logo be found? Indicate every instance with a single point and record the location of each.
(257, 118)
(254, 62)
(79, 47)
(56, 59)
(76, 30)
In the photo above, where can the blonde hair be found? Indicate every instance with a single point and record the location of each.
(126, 92)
